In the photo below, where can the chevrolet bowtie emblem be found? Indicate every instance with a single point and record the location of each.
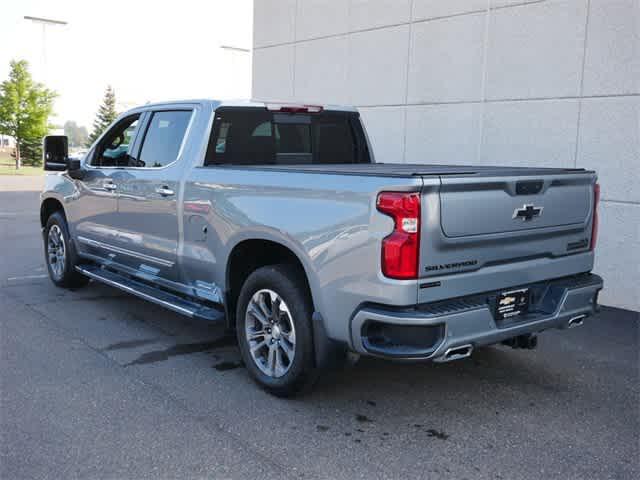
(507, 301)
(527, 212)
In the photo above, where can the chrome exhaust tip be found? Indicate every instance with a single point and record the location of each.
(456, 353)
(576, 321)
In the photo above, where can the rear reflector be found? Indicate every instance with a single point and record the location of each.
(287, 108)
(594, 226)
(401, 249)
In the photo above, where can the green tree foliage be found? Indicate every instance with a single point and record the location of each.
(106, 114)
(78, 135)
(30, 151)
(25, 107)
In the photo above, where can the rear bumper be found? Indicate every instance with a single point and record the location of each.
(429, 331)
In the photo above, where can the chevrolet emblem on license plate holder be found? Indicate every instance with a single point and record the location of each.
(512, 303)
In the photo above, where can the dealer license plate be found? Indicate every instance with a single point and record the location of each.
(513, 303)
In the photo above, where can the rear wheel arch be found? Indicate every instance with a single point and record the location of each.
(249, 255)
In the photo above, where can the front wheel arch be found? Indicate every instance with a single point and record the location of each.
(70, 278)
(48, 207)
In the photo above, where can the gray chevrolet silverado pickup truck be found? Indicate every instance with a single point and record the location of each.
(275, 220)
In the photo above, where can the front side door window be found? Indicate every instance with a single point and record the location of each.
(116, 147)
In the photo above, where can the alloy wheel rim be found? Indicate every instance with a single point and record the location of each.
(56, 251)
(270, 333)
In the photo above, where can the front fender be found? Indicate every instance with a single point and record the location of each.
(59, 187)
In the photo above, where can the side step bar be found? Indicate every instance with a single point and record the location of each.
(146, 292)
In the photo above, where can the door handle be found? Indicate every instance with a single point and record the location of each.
(109, 186)
(164, 191)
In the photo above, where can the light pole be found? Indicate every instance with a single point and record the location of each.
(234, 51)
(45, 22)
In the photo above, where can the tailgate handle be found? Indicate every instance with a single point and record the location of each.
(529, 187)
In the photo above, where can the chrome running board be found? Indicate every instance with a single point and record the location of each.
(167, 300)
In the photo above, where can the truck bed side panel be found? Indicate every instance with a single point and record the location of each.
(329, 221)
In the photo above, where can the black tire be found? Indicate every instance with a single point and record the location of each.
(68, 277)
(288, 282)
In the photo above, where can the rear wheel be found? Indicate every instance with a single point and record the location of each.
(274, 330)
(59, 254)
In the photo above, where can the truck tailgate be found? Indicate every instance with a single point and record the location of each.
(485, 232)
(481, 206)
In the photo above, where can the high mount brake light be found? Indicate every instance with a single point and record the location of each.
(401, 249)
(596, 220)
(276, 107)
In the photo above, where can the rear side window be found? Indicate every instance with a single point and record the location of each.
(260, 137)
(163, 138)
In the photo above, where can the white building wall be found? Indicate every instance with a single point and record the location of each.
(503, 82)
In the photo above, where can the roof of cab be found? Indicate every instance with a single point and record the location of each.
(238, 103)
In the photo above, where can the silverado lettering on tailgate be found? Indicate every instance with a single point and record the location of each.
(449, 266)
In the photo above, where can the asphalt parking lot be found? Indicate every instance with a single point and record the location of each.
(98, 384)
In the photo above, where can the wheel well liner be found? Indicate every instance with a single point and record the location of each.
(48, 207)
(246, 257)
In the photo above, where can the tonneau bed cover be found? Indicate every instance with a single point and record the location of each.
(410, 170)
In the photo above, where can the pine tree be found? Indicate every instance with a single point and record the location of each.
(106, 114)
(31, 151)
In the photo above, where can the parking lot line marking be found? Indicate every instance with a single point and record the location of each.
(26, 277)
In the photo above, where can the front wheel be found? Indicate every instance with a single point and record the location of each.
(274, 330)
(59, 254)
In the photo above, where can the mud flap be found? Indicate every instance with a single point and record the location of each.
(329, 353)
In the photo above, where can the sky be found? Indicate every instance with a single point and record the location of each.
(147, 50)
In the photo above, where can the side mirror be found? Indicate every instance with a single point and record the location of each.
(56, 156)
(55, 150)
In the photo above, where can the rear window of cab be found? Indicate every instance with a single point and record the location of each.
(257, 136)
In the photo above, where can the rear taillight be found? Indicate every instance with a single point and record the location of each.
(594, 226)
(401, 249)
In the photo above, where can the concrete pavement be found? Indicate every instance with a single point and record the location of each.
(97, 384)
